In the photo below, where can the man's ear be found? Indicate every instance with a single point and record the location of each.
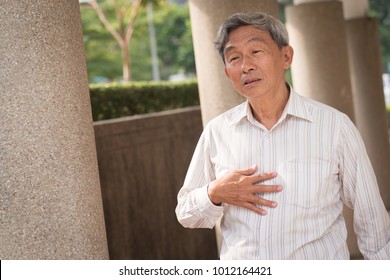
(288, 54)
(226, 73)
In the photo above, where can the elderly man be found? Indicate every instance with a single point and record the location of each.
(278, 168)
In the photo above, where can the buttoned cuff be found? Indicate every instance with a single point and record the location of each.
(205, 205)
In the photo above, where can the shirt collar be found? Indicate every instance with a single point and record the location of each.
(295, 107)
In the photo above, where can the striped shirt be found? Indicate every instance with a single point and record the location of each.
(321, 163)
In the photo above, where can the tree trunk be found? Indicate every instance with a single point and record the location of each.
(126, 63)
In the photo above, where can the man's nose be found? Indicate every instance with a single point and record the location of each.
(247, 64)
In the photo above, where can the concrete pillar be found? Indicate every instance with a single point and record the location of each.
(320, 68)
(367, 88)
(215, 90)
(355, 8)
(50, 197)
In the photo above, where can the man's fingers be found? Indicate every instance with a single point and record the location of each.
(248, 171)
(265, 202)
(255, 208)
(257, 205)
(266, 188)
(263, 177)
(241, 188)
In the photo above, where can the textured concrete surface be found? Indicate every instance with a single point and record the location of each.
(50, 198)
(143, 161)
(368, 96)
(320, 67)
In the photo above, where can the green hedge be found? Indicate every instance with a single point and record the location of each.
(119, 100)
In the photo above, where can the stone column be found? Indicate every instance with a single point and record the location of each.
(367, 88)
(215, 90)
(320, 68)
(50, 197)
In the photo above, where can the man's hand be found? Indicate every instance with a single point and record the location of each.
(240, 187)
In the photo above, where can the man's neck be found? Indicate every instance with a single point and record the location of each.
(268, 110)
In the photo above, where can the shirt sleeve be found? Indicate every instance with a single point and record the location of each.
(361, 193)
(194, 208)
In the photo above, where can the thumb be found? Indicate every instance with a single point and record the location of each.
(248, 171)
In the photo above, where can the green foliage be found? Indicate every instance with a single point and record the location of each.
(173, 37)
(103, 55)
(174, 40)
(174, 43)
(113, 100)
(140, 54)
(381, 10)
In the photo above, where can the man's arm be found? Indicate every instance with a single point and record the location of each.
(361, 193)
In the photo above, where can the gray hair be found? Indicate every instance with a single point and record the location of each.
(259, 20)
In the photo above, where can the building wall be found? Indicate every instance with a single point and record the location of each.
(142, 164)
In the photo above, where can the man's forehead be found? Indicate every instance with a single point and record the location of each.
(231, 45)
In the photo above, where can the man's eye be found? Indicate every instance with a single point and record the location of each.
(233, 58)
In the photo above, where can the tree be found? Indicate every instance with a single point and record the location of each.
(174, 40)
(173, 37)
(103, 54)
(126, 12)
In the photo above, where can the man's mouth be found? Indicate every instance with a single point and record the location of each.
(251, 81)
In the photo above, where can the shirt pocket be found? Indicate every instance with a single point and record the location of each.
(310, 181)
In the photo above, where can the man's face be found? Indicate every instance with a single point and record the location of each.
(254, 63)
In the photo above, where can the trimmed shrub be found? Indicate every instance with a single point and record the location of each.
(115, 100)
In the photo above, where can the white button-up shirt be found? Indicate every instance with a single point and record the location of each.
(321, 163)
